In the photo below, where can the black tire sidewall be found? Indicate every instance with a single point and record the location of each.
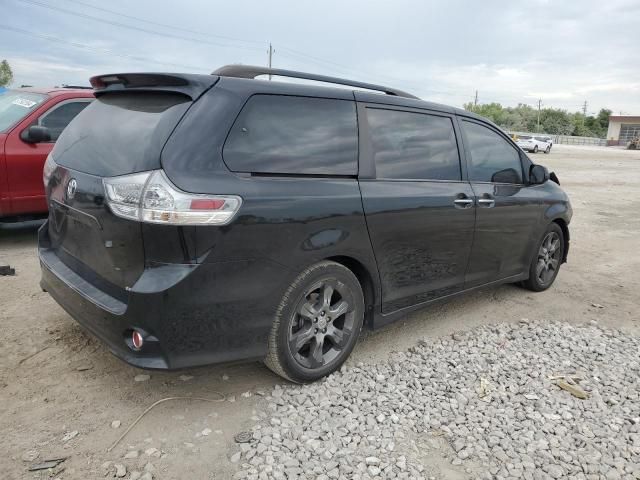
(292, 368)
(533, 282)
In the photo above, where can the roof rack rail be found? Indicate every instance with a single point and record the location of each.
(249, 71)
(77, 87)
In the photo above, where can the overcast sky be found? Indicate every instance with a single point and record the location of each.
(564, 52)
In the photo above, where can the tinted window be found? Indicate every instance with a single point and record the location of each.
(413, 145)
(59, 117)
(282, 134)
(493, 159)
(120, 133)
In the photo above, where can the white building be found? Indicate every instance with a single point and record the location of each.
(622, 128)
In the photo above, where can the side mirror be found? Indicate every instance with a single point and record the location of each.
(36, 134)
(538, 174)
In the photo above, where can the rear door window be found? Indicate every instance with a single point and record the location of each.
(413, 146)
(493, 159)
(294, 135)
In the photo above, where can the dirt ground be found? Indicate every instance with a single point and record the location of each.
(55, 379)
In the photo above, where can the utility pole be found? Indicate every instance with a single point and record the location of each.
(475, 101)
(539, 106)
(584, 108)
(270, 52)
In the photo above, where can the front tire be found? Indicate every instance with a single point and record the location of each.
(548, 149)
(317, 323)
(535, 149)
(545, 264)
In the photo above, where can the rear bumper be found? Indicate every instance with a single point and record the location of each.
(192, 314)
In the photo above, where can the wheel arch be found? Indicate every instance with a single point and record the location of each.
(369, 287)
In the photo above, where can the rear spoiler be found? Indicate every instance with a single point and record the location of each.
(190, 85)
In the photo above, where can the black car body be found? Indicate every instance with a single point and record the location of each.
(382, 184)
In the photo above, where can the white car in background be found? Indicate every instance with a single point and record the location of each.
(532, 144)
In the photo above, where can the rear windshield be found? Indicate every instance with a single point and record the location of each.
(524, 137)
(120, 133)
(16, 105)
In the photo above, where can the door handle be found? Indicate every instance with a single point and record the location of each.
(486, 202)
(463, 202)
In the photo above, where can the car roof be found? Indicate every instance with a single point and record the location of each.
(57, 91)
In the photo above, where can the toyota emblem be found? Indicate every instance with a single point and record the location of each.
(71, 188)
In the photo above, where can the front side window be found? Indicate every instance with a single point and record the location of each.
(409, 145)
(16, 105)
(294, 135)
(60, 116)
(493, 159)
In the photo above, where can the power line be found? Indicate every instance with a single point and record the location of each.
(55, 39)
(131, 27)
(164, 25)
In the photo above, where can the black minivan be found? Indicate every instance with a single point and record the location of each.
(196, 219)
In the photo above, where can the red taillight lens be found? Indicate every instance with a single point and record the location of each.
(206, 204)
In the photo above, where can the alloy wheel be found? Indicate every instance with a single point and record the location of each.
(549, 256)
(322, 324)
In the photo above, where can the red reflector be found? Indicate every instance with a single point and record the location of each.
(206, 204)
(137, 340)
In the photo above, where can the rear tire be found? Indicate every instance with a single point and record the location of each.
(317, 323)
(535, 149)
(546, 262)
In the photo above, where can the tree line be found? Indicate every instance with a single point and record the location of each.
(553, 121)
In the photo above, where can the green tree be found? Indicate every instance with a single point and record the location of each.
(6, 75)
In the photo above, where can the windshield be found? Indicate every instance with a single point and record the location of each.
(524, 137)
(15, 105)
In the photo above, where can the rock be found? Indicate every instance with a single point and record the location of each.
(372, 461)
(185, 378)
(142, 377)
(373, 470)
(153, 452)
(115, 424)
(147, 476)
(235, 458)
(131, 454)
(149, 467)
(135, 475)
(69, 435)
(206, 432)
(121, 470)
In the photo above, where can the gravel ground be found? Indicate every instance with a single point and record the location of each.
(487, 392)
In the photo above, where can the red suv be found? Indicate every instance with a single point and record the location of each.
(31, 121)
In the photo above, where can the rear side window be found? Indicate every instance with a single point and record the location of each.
(296, 135)
(60, 116)
(493, 159)
(409, 145)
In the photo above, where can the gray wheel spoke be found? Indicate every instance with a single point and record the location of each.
(555, 245)
(540, 267)
(339, 309)
(301, 338)
(316, 358)
(327, 293)
(338, 337)
(554, 263)
(308, 311)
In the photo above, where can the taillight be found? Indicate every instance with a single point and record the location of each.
(47, 171)
(151, 197)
